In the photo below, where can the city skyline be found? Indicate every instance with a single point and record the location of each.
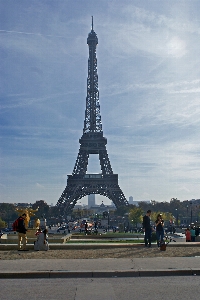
(147, 61)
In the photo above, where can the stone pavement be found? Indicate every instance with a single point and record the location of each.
(99, 268)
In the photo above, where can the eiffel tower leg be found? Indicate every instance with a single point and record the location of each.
(104, 162)
(76, 189)
(117, 196)
(81, 163)
(70, 196)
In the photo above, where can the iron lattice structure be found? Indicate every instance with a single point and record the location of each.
(80, 184)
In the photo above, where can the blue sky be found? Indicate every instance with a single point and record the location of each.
(149, 84)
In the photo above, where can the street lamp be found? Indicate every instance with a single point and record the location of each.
(176, 217)
(187, 215)
(108, 220)
(191, 213)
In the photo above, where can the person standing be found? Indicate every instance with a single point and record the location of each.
(147, 228)
(95, 227)
(159, 229)
(192, 231)
(188, 235)
(86, 228)
(22, 233)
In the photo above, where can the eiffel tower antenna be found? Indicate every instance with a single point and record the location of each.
(81, 184)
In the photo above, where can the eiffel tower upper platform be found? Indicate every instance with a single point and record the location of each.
(80, 184)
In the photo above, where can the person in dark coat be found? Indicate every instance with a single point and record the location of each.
(86, 228)
(147, 228)
(22, 238)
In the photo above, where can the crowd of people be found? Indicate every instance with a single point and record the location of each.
(190, 233)
(41, 243)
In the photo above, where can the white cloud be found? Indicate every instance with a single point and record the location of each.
(40, 186)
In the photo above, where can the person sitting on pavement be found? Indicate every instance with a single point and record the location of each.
(42, 243)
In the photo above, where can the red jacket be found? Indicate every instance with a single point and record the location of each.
(188, 235)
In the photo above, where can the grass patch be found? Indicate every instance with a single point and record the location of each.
(113, 235)
(105, 242)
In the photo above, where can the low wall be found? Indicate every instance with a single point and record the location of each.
(56, 238)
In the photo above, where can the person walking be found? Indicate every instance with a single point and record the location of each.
(159, 229)
(22, 238)
(147, 229)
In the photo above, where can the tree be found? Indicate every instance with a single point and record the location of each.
(43, 208)
(135, 215)
(2, 223)
(8, 212)
(120, 211)
(145, 206)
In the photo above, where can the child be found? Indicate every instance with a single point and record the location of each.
(188, 235)
(39, 230)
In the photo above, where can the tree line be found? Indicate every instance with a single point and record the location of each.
(174, 210)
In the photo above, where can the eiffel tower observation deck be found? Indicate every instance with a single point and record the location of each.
(81, 184)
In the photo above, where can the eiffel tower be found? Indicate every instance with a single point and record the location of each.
(80, 184)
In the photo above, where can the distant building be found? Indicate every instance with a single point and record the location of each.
(91, 200)
(136, 202)
(130, 200)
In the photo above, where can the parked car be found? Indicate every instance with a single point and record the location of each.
(7, 229)
(62, 228)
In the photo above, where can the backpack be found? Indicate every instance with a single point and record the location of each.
(15, 225)
(163, 246)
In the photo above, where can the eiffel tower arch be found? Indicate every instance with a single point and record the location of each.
(81, 184)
